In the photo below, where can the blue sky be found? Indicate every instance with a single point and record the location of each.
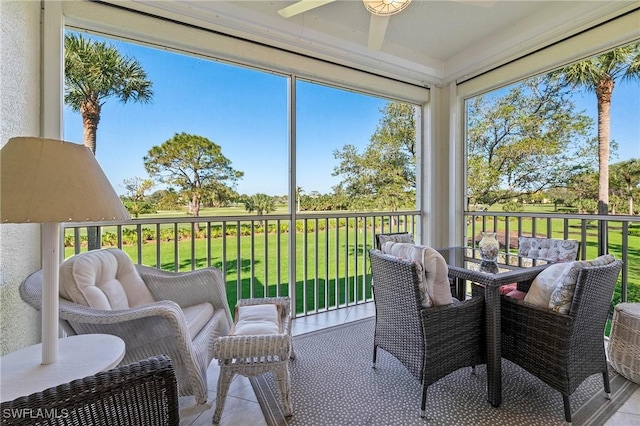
(245, 112)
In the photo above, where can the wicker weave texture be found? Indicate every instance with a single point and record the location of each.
(624, 344)
(157, 328)
(429, 342)
(253, 355)
(140, 393)
(562, 350)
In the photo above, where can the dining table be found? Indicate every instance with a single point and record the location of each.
(467, 268)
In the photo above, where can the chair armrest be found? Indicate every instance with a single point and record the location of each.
(187, 288)
(460, 320)
(136, 326)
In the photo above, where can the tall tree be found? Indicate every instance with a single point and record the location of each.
(94, 72)
(192, 163)
(625, 181)
(599, 75)
(527, 141)
(384, 174)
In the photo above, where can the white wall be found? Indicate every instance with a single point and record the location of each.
(19, 116)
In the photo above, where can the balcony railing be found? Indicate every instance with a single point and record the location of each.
(621, 238)
(326, 256)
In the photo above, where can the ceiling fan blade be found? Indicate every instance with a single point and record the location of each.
(377, 29)
(302, 6)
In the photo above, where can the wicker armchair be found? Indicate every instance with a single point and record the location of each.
(141, 393)
(429, 342)
(176, 321)
(563, 349)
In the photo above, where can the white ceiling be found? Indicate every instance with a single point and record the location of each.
(430, 42)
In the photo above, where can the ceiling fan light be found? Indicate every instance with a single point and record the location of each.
(385, 7)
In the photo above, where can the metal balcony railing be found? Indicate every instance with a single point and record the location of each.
(323, 265)
(621, 238)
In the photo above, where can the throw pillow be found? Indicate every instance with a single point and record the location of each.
(517, 294)
(395, 238)
(562, 295)
(433, 271)
(543, 285)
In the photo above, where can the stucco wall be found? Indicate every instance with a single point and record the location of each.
(19, 116)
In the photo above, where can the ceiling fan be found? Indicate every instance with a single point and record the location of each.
(381, 11)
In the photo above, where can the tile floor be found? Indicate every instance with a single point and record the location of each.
(242, 407)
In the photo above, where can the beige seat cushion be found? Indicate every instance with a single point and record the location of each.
(257, 319)
(434, 282)
(197, 316)
(103, 279)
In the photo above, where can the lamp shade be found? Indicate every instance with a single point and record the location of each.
(47, 180)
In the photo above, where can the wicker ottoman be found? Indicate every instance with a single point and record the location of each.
(624, 343)
(259, 342)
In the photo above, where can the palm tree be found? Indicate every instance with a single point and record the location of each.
(94, 72)
(599, 75)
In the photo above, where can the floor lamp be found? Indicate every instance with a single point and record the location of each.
(49, 181)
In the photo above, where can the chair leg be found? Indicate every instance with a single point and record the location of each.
(224, 381)
(567, 408)
(292, 352)
(283, 380)
(375, 355)
(423, 403)
(607, 386)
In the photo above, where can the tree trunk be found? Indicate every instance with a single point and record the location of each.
(90, 111)
(604, 89)
(195, 209)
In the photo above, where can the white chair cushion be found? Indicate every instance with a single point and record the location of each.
(543, 285)
(197, 316)
(434, 281)
(562, 295)
(103, 279)
(257, 319)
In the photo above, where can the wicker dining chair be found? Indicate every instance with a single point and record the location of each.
(563, 349)
(140, 393)
(429, 342)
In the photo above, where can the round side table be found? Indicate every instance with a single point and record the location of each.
(624, 343)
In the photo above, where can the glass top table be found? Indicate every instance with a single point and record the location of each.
(465, 265)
